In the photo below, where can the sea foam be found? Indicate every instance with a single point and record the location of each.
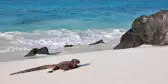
(54, 39)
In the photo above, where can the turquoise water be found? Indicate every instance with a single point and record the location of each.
(30, 15)
(25, 24)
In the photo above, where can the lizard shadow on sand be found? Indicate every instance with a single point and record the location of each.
(81, 65)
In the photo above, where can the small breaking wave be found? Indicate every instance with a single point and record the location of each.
(13, 49)
(54, 39)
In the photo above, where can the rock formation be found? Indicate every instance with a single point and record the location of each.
(34, 51)
(146, 30)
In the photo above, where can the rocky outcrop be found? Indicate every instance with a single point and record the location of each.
(34, 51)
(151, 29)
(68, 45)
(97, 42)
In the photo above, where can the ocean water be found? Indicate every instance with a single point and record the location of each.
(25, 24)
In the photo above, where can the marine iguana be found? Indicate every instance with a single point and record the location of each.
(65, 65)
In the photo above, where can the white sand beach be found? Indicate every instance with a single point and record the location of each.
(116, 42)
(143, 65)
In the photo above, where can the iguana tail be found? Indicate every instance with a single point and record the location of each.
(35, 69)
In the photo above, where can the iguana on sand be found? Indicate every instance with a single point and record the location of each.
(65, 65)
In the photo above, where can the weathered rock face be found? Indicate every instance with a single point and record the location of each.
(43, 50)
(34, 51)
(146, 30)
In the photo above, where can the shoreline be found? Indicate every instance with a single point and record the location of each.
(15, 56)
(19, 56)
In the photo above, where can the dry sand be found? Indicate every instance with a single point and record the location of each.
(129, 66)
